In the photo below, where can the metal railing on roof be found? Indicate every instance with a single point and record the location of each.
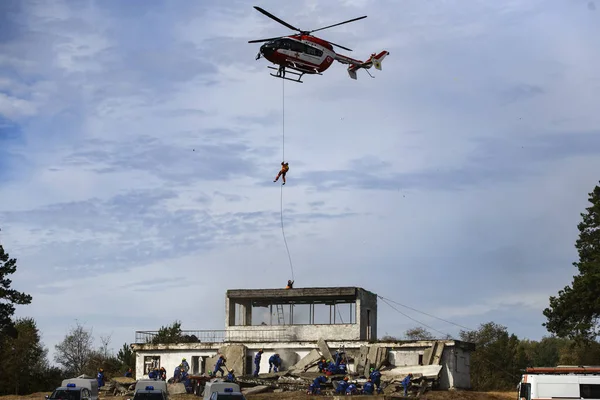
(213, 336)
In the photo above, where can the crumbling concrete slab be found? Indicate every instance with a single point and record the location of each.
(361, 360)
(255, 390)
(176, 388)
(311, 358)
(426, 371)
(325, 349)
(235, 356)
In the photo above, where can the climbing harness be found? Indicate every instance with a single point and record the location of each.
(283, 159)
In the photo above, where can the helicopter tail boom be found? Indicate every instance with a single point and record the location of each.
(374, 60)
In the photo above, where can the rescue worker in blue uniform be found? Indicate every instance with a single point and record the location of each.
(368, 387)
(230, 376)
(351, 389)
(322, 364)
(257, 358)
(129, 373)
(186, 380)
(406, 383)
(177, 374)
(315, 387)
(100, 377)
(342, 386)
(375, 376)
(218, 365)
(274, 362)
(185, 365)
(153, 374)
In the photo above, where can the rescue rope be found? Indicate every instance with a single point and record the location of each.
(283, 160)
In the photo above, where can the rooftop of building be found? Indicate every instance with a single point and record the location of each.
(333, 293)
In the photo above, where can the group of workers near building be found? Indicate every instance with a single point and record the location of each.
(345, 387)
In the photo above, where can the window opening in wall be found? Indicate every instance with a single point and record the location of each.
(368, 324)
(260, 314)
(420, 359)
(196, 365)
(270, 313)
(151, 362)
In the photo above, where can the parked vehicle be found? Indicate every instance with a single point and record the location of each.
(76, 389)
(560, 382)
(220, 390)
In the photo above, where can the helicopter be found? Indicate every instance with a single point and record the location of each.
(304, 53)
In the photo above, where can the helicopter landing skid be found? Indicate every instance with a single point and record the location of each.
(281, 74)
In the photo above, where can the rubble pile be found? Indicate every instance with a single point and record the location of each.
(120, 386)
(301, 374)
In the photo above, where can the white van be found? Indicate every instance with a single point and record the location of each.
(560, 382)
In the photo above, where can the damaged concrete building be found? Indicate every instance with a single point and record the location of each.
(302, 325)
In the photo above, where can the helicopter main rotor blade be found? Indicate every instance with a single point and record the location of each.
(341, 23)
(282, 22)
(265, 40)
(342, 47)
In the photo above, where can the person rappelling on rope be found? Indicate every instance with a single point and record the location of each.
(284, 169)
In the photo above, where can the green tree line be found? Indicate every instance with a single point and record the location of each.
(572, 321)
(24, 364)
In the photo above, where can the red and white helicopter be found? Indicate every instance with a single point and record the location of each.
(307, 54)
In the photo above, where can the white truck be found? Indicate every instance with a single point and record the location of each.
(563, 382)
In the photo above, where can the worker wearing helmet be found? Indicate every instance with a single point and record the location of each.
(290, 284)
(230, 376)
(257, 358)
(284, 169)
(100, 377)
(368, 387)
(342, 386)
(185, 365)
(375, 376)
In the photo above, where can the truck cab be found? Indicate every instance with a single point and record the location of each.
(71, 392)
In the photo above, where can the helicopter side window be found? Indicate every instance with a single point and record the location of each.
(313, 52)
(285, 44)
(297, 46)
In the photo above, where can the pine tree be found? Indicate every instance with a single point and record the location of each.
(9, 297)
(575, 312)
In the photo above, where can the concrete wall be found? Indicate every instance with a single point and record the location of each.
(455, 360)
(402, 358)
(366, 306)
(310, 332)
(171, 359)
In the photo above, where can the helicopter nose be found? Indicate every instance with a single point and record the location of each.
(266, 50)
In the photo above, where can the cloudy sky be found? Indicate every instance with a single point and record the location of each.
(139, 141)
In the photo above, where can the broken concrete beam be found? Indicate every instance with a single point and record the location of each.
(381, 358)
(255, 390)
(307, 361)
(325, 349)
(426, 371)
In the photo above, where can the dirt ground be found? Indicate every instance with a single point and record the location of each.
(435, 395)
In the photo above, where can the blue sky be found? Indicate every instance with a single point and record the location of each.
(139, 141)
